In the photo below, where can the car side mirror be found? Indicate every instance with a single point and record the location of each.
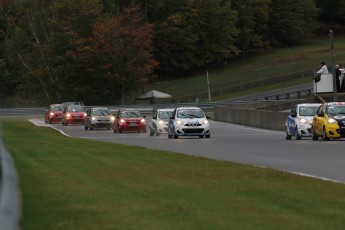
(172, 118)
(320, 114)
(208, 117)
(293, 115)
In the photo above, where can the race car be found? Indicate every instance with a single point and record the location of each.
(329, 121)
(298, 122)
(159, 121)
(188, 121)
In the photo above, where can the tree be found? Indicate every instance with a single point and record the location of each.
(292, 20)
(119, 53)
(252, 23)
(331, 12)
(194, 33)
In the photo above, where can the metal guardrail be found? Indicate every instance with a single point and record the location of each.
(10, 207)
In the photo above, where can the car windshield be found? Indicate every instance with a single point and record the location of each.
(55, 108)
(130, 114)
(164, 114)
(336, 110)
(308, 110)
(190, 113)
(100, 112)
(75, 108)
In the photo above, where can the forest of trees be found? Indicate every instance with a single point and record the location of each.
(99, 51)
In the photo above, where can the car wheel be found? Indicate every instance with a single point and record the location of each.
(287, 135)
(91, 128)
(324, 135)
(157, 133)
(201, 136)
(169, 135)
(208, 136)
(174, 134)
(151, 132)
(313, 135)
(298, 137)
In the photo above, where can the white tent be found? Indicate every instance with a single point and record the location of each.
(152, 95)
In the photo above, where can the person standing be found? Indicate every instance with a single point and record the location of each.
(337, 77)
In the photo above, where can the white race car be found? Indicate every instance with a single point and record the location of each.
(188, 121)
(298, 123)
(159, 121)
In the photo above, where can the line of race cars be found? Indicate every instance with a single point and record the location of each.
(325, 120)
(175, 122)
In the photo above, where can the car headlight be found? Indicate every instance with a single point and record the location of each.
(122, 121)
(303, 121)
(142, 120)
(179, 122)
(161, 122)
(93, 118)
(85, 114)
(112, 118)
(332, 121)
(51, 114)
(205, 122)
(68, 115)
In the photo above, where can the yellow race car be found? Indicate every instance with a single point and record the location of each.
(329, 121)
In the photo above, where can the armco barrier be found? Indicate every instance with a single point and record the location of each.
(251, 117)
(10, 214)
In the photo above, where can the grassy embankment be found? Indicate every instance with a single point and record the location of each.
(70, 183)
(305, 57)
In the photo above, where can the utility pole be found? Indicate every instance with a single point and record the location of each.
(333, 67)
(208, 87)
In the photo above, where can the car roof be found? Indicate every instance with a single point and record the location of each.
(99, 108)
(310, 104)
(188, 108)
(165, 109)
(336, 103)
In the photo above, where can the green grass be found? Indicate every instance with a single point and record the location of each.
(70, 183)
(304, 57)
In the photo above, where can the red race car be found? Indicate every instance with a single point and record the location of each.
(129, 120)
(73, 114)
(53, 113)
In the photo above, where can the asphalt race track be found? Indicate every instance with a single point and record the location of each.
(229, 142)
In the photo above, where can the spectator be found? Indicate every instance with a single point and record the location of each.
(323, 69)
(337, 77)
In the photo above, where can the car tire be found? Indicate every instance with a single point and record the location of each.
(287, 135)
(201, 136)
(91, 128)
(151, 132)
(208, 136)
(298, 137)
(324, 135)
(313, 135)
(157, 133)
(174, 134)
